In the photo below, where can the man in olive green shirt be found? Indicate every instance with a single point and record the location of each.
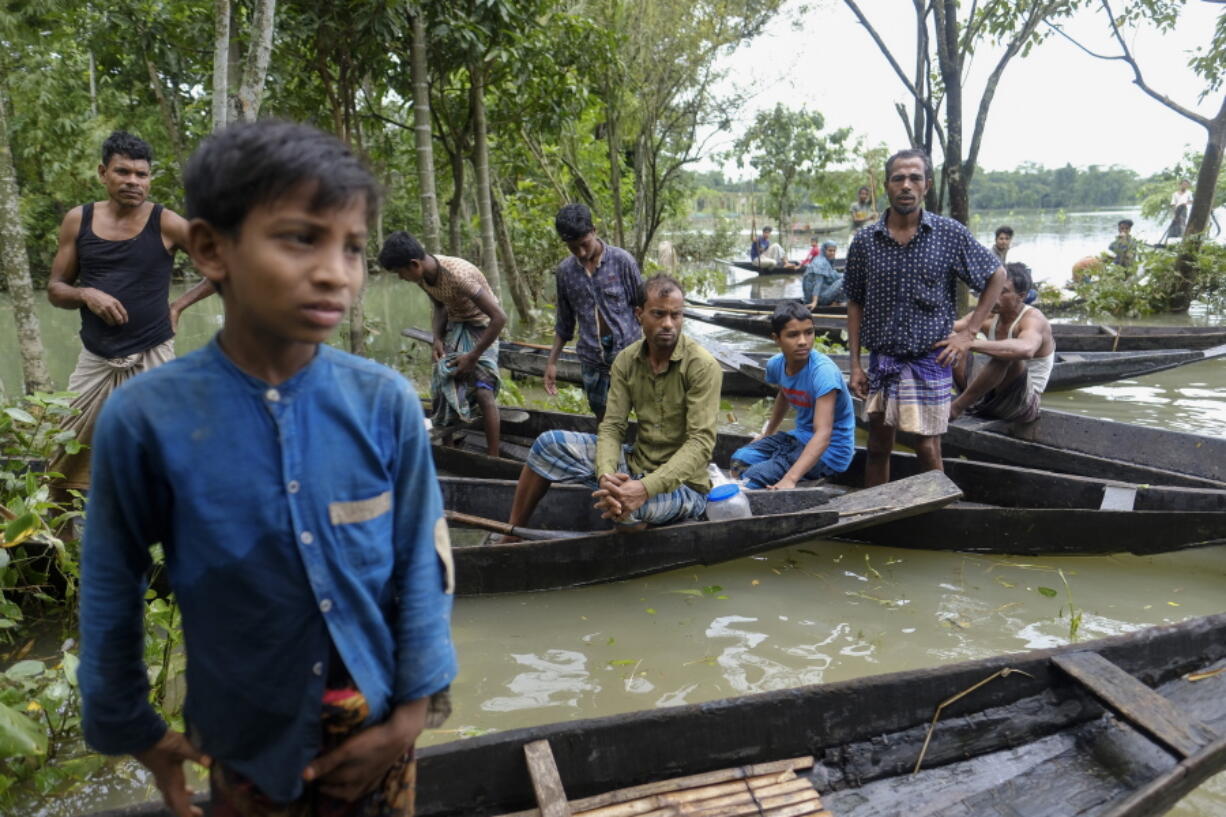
(672, 385)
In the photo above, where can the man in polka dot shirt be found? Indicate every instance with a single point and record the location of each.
(900, 284)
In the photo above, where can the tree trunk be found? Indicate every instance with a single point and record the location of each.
(951, 75)
(221, 62)
(431, 227)
(169, 118)
(481, 168)
(1202, 209)
(16, 265)
(93, 85)
(515, 282)
(613, 136)
(255, 66)
(455, 203)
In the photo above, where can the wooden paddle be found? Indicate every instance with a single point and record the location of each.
(510, 530)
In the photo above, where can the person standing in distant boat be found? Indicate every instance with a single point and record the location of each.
(1181, 205)
(596, 288)
(467, 320)
(113, 265)
(901, 281)
(1004, 240)
(1021, 353)
(863, 213)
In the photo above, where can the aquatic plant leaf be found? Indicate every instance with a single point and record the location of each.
(1047, 591)
(20, 736)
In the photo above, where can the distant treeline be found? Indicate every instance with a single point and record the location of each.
(1029, 186)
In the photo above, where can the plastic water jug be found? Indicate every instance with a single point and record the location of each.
(727, 501)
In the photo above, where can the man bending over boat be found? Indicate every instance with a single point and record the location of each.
(466, 322)
(672, 385)
(1021, 350)
(824, 439)
(596, 288)
(901, 281)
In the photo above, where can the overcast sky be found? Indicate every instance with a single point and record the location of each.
(1055, 106)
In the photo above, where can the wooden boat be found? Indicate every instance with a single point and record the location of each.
(1118, 727)
(1005, 509)
(1070, 337)
(602, 555)
(1075, 444)
(529, 359)
(750, 266)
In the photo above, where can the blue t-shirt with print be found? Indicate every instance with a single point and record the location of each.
(819, 377)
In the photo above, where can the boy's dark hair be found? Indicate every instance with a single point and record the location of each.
(863, 189)
(122, 143)
(399, 249)
(1020, 277)
(1004, 229)
(1126, 221)
(787, 312)
(766, 229)
(657, 285)
(251, 164)
(573, 222)
(910, 153)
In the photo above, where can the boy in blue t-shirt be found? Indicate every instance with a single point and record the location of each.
(292, 490)
(823, 440)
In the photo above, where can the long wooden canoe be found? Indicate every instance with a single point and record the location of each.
(1119, 727)
(529, 359)
(1076, 444)
(1005, 509)
(750, 266)
(1072, 370)
(780, 518)
(1070, 337)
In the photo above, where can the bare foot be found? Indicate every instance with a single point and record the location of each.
(955, 410)
(503, 539)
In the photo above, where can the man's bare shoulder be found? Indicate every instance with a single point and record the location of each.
(73, 217)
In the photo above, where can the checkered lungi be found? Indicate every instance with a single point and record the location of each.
(570, 456)
(913, 394)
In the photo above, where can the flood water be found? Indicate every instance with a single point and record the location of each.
(818, 612)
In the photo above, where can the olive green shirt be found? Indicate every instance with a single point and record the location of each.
(677, 412)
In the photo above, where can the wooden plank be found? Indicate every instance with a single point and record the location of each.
(546, 783)
(1118, 498)
(1137, 703)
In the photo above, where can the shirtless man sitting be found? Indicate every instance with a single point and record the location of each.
(1018, 342)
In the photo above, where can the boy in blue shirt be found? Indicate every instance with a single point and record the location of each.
(292, 490)
(824, 439)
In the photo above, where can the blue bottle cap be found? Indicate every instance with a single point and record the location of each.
(721, 492)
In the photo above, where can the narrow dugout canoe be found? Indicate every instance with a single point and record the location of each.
(521, 358)
(750, 266)
(1118, 727)
(1070, 337)
(780, 518)
(1005, 509)
(1076, 444)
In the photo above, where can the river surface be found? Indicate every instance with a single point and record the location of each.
(818, 612)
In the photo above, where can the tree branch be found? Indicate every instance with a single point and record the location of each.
(1140, 82)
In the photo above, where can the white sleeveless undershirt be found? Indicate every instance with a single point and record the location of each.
(1040, 367)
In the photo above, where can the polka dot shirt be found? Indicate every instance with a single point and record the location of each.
(908, 292)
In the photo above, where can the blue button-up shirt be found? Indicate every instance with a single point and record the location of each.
(292, 517)
(612, 289)
(908, 291)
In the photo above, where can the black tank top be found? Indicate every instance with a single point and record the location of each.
(137, 273)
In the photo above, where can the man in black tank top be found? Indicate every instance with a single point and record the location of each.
(113, 265)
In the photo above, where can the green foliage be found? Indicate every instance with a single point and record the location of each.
(696, 245)
(789, 151)
(1155, 194)
(1155, 285)
(1032, 186)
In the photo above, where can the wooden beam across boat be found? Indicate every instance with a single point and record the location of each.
(1005, 509)
(1007, 735)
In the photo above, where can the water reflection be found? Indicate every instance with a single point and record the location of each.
(556, 678)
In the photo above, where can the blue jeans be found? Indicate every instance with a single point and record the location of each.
(767, 461)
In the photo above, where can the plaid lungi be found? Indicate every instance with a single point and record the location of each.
(93, 380)
(455, 397)
(913, 394)
(570, 456)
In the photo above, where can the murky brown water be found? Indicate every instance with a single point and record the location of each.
(819, 612)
